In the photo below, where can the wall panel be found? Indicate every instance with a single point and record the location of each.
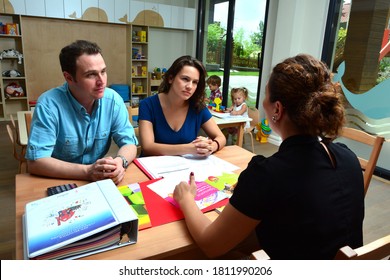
(44, 38)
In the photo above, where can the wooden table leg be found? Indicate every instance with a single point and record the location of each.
(240, 134)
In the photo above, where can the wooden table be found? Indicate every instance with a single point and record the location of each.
(238, 122)
(168, 241)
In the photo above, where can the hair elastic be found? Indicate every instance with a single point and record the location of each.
(217, 145)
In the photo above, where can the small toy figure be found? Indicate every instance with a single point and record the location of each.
(11, 53)
(13, 90)
(263, 131)
(217, 101)
(11, 73)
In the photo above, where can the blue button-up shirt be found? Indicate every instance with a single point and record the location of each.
(61, 128)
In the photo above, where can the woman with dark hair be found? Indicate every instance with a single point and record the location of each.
(170, 121)
(307, 200)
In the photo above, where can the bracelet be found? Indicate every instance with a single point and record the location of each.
(217, 145)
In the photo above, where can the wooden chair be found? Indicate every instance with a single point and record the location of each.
(259, 255)
(11, 117)
(376, 142)
(28, 118)
(133, 118)
(15, 127)
(18, 151)
(253, 113)
(376, 250)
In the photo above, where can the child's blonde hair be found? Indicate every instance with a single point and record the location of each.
(243, 90)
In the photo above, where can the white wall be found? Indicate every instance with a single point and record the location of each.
(165, 45)
(294, 26)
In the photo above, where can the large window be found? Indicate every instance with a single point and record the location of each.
(361, 61)
(233, 40)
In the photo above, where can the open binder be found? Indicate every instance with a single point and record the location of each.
(86, 220)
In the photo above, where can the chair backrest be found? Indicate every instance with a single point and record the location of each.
(259, 255)
(253, 113)
(133, 115)
(28, 118)
(376, 142)
(376, 250)
(19, 156)
(133, 112)
(15, 127)
(12, 120)
(133, 118)
(11, 134)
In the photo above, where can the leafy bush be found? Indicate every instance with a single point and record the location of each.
(384, 70)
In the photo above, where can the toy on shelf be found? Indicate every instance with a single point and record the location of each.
(263, 131)
(158, 73)
(11, 53)
(142, 36)
(13, 90)
(11, 73)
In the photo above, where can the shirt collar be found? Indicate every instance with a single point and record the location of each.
(76, 105)
(297, 140)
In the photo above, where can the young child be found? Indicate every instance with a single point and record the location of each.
(214, 82)
(239, 107)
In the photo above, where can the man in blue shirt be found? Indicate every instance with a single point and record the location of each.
(73, 124)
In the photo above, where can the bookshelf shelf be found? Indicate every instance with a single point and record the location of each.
(9, 105)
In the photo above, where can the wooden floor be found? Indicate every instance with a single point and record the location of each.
(376, 222)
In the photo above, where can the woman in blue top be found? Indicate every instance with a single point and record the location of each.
(170, 121)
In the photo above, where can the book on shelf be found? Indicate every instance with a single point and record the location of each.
(134, 197)
(12, 29)
(86, 220)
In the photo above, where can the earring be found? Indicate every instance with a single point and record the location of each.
(274, 118)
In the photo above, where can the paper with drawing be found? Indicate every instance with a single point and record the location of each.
(178, 168)
(175, 169)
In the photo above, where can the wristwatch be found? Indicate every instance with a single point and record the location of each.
(125, 163)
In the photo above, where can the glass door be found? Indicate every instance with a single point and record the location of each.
(233, 39)
(359, 56)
